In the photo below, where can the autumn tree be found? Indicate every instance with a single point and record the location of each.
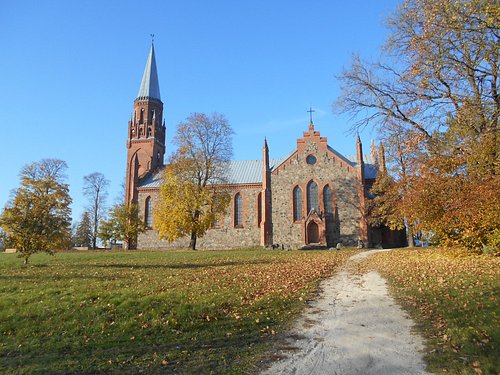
(38, 217)
(192, 194)
(82, 235)
(390, 205)
(439, 84)
(3, 240)
(95, 189)
(123, 224)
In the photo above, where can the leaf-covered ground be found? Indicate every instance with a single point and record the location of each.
(454, 299)
(151, 312)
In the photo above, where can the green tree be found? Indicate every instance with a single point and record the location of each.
(95, 189)
(438, 86)
(38, 217)
(107, 232)
(192, 195)
(82, 235)
(123, 224)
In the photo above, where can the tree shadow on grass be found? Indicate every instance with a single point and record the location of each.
(124, 266)
(51, 277)
(179, 265)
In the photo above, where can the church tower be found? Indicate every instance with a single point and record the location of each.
(146, 131)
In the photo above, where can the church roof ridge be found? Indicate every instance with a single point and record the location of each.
(239, 172)
(150, 88)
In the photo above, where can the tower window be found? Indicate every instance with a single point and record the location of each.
(238, 210)
(297, 204)
(312, 196)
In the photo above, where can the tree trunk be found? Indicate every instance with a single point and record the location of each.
(26, 260)
(192, 243)
(409, 232)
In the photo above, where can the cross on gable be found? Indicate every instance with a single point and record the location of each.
(310, 114)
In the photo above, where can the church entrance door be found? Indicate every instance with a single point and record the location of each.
(312, 233)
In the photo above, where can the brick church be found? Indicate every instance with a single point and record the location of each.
(313, 196)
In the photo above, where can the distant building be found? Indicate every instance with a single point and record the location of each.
(312, 197)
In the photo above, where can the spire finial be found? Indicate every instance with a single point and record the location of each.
(152, 38)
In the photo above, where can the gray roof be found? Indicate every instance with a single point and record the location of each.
(152, 180)
(245, 171)
(150, 87)
(239, 172)
(348, 159)
(370, 168)
(250, 171)
(371, 171)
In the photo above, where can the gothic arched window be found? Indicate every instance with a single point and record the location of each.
(312, 196)
(238, 210)
(148, 213)
(328, 199)
(297, 204)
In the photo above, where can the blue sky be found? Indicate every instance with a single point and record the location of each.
(70, 71)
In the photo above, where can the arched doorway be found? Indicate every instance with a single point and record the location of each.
(312, 233)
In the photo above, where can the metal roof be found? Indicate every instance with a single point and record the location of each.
(370, 168)
(238, 172)
(250, 171)
(370, 171)
(244, 171)
(348, 159)
(150, 87)
(152, 180)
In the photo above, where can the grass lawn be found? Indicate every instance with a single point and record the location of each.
(454, 299)
(152, 312)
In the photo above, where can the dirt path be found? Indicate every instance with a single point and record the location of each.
(354, 327)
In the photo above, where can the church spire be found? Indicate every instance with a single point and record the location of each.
(146, 135)
(150, 88)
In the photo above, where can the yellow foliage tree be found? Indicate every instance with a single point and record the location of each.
(187, 209)
(192, 195)
(38, 217)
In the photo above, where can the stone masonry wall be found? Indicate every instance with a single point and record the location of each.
(223, 237)
(326, 170)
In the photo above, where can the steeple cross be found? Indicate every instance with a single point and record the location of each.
(152, 38)
(311, 114)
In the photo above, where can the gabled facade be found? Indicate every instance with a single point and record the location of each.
(312, 197)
